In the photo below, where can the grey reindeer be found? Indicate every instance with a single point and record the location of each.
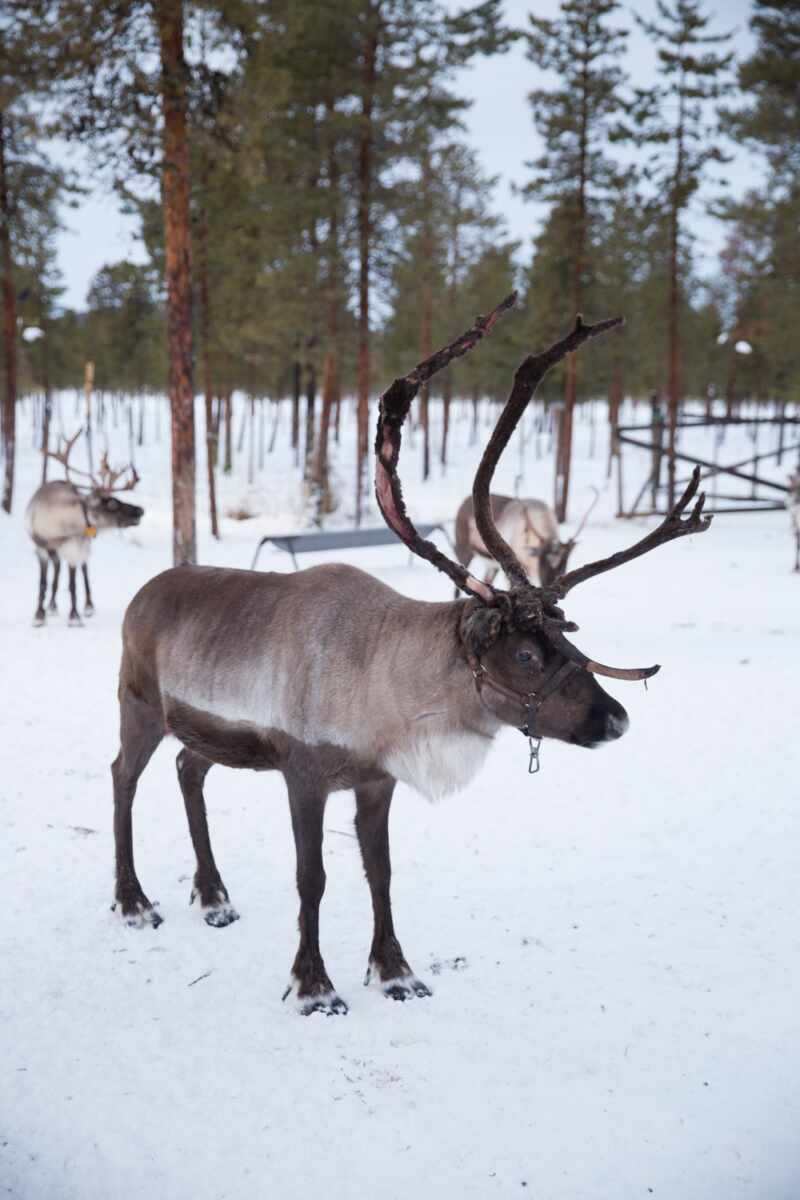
(530, 528)
(339, 682)
(63, 517)
(793, 505)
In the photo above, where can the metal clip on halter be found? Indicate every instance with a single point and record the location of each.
(534, 766)
(534, 742)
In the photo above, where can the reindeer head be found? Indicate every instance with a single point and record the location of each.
(526, 671)
(103, 509)
(552, 553)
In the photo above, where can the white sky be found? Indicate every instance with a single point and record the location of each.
(499, 126)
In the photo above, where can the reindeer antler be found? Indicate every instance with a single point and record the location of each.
(673, 526)
(107, 479)
(394, 405)
(65, 446)
(527, 378)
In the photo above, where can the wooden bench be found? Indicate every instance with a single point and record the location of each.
(336, 539)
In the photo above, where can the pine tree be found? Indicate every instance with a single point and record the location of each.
(28, 185)
(134, 116)
(674, 121)
(575, 120)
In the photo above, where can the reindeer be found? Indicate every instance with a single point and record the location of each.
(793, 504)
(339, 682)
(64, 515)
(531, 530)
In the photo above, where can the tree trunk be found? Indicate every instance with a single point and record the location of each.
(426, 315)
(330, 370)
(473, 434)
(311, 404)
(175, 192)
(297, 386)
(9, 421)
(364, 245)
(447, 396)
(88, 388)
(564, 444)
(674, 379)
(48, 396)
(614, 405)
(228, 409)
(205, 336)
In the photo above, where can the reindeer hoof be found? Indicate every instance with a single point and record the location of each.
(52, 608)
(217, 910)
(400, 987)
(74, 621)
(138, 914)
(405, 989)
(331, 1005)
(327, 1001)
(88, 610)
(38, 620)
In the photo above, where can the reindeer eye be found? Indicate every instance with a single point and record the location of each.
(524, 656)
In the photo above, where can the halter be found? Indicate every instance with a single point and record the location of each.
(531, 701)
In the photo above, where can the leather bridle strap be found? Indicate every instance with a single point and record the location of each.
(530, 701)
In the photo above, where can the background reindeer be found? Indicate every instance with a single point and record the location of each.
(528, 526)
(63, 516)
(337, 681)
(793, 504)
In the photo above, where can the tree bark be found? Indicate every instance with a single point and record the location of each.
(9, 422)
(228, 410)
(48, 395)
(311, 404)
(177, 244)
(365, 168)
(426, 315)
(674, 355)
(614, 404)
(297, 383)
(564, 444)
(205, 335)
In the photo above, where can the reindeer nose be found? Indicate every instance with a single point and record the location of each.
(616, 724)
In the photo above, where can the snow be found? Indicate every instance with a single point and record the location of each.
(613, 945)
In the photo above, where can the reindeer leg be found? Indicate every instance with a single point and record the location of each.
(396, 978)
(56, 561)
(74, 617)
(88, 607)
(214, 900)
(38, 616)
(313, 988)
(141, 729)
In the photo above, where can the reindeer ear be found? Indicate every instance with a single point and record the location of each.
(480, 628)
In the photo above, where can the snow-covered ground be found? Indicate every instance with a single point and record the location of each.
(613, 945)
